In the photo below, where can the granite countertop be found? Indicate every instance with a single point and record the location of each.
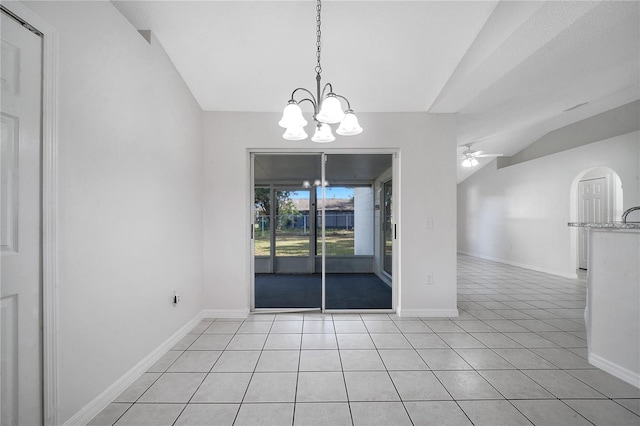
(610, 225)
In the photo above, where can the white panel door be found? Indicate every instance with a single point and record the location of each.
(592, 207)
(20, 224)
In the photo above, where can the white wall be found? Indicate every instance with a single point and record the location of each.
(519, 214)
(130, 206)
(427, 189)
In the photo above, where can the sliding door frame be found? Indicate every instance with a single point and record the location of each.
(396, 267)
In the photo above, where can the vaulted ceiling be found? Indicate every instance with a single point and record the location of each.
(512, 70)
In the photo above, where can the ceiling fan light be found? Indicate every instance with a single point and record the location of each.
(323, 134)
(295, 133)
(292, 116)
(474, 162)
(349, 125)
(330, 110)
(467, 162)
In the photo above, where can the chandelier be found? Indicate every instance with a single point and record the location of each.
(327, 108)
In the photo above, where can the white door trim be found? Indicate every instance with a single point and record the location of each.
(49, 207)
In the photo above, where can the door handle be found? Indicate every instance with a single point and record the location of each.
(395, 231)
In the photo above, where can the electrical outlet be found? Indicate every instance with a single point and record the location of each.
(429, 223)
(176, 297)
(429, 279)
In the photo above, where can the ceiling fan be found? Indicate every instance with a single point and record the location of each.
(469, 156)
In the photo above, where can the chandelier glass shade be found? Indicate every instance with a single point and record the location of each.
(349, 125)
(323, 134)
(295, 133)
(292, 116)
(330, 110)
(327, 107)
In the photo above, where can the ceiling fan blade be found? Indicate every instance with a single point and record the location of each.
(489, 155)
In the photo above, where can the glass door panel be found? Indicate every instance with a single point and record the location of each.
(387, 249)
(351, 281)
(284, 232)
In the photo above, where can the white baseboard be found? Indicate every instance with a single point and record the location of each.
(520, 265)
(615, 370)
(92, 409)
(225, 313)
(429, 313)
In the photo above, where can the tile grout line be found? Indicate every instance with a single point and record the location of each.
(387, 370)
(203, 379)
(344, 379)
(295, 394)
(214, 364)
(447, 390)
(244, 395)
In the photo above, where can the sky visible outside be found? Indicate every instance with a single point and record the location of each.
(330, 192)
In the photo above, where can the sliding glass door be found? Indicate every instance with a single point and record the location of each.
(316, 232)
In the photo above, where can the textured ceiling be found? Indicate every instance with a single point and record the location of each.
(510, 69)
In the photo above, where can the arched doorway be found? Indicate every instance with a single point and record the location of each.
(596, 196)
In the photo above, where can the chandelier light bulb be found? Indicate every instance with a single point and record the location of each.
(349, 125)
(292, 116)
(330, 110)
(323, 134)
(295, 134)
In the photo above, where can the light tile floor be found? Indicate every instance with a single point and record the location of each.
(515, 355)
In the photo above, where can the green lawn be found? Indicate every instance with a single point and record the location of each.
(290, 243)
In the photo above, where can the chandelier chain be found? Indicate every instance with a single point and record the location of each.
(318, 36)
